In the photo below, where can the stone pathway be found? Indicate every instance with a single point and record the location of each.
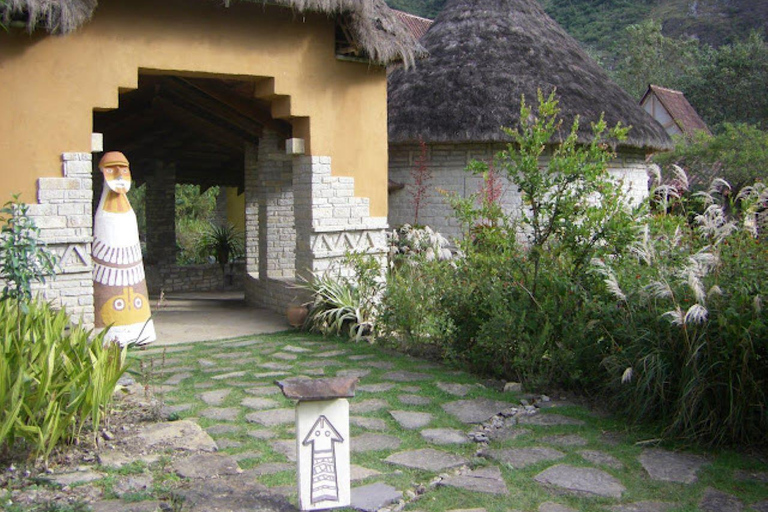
(422, 439)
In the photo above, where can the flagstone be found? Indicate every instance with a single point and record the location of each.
(353, 373)
(718, 501)
(381, 365)
(215, 397)
(125, 506)
(244, 343)
(669, 466)
(217, 369)
(565, 440)
(315, 372)
(379, 387)
(270, 468)
(74, 477)
(357, 473)
(361, 357)
(410, 420)
(601, 458)
(643, 506)
(548, 420)
(368, 423)
(221, 413)
(455, 389)
(174, 435)
(370, 498)
(272, 417)
(229, 375)
(414, 399)
(581, 481)
(253, 402)
(261, 434)
(751, 476)
(321, 363)
(374, 443)
(331, 353)
(263, 390)
(178, 378)
(204, 385)
(410, 389)
(405, 376)
(251, 454)
(760, 506)
(427, 459)
(476, 410)
(206, 465)
(231, 355)
(160, 369)
(268, 375)
(284, 356)
(487, 480)
(223, 444)
(365, 406)
(444, 436)
(295, 349)
(222, 428)
(555, 507)
(206, 363)
(277, 366)
(285, 447)
(522, 457)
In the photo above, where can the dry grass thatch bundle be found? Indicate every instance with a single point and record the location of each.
(376, 29)
(485, 54)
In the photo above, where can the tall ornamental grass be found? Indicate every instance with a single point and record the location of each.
(687, 324)
(54, 381)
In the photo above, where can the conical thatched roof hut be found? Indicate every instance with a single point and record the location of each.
(483, 56)
(380, 34)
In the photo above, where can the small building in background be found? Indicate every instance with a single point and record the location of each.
(673, 111)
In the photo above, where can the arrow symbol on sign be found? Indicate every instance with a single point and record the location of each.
(323, 437)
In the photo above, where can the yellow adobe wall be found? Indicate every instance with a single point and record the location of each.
(50, 85)
(235, 208)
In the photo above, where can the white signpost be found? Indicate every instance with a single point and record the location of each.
(322, 440)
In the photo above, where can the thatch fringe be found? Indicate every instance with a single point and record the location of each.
(56, 16)
(381, 35)
(483, 56)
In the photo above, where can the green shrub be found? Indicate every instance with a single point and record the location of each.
(687, 325)
(53, 379)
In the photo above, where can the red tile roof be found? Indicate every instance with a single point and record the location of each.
(416, 24)
(684, 115)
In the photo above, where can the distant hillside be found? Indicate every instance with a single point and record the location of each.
(596, 23)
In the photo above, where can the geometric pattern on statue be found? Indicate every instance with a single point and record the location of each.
(121, 301)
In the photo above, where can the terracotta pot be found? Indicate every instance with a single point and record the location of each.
(296, 315)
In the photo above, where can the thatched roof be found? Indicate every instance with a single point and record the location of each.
(485, 54)
(376, 29)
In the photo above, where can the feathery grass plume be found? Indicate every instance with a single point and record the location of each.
(713, 223)
(696, 314)
(719, 186)
(627, 375)
(643, 247)
(676, 316)
(714, 290)
(659, 289)
(757, 304)
(610, 280)
(681, 178)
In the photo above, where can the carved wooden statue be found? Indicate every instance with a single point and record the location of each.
(119, 285)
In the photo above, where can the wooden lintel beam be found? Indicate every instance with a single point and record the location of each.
(243, 106)
(205, 128)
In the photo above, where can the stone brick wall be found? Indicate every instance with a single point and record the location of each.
(64, 214)
(193, 278)
(448, 164)
(160, 205)
(300, 220)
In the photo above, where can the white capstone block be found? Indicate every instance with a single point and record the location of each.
(97, 142)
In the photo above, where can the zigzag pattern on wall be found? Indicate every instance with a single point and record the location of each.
(341, 242)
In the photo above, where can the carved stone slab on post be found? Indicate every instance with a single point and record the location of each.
(322, 440)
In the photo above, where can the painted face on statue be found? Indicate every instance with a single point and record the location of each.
(118, 178)
(127, 308)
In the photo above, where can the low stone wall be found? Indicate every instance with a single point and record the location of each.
(448, 164)
(193, 278)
